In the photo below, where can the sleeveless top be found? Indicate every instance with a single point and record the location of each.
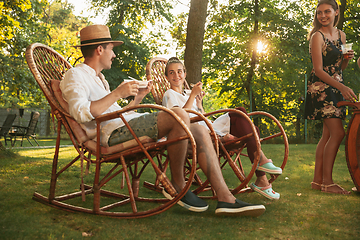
(322, 98)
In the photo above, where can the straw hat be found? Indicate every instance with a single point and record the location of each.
(96, 34)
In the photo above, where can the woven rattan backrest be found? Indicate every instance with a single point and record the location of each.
(155, 71)
(49, 67)
(46, 64)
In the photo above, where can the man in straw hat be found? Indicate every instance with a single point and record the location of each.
(87, 92)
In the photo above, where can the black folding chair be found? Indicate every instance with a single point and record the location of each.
(26, 132)
(4, 130)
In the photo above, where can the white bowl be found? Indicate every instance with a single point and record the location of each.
(142, 84)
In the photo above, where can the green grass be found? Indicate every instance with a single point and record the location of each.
(42, 143)
(301, 213)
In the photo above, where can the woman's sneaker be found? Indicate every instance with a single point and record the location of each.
(267, 192)
(189, 201)
(269, 167)
(239, 208)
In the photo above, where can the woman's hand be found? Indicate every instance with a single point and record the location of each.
(349, 55)
(348, 94)
(199, 94)
(197, 88)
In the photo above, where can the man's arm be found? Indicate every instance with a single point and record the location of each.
(142, 92)
(124, 90)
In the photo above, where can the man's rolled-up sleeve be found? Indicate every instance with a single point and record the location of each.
(77, 94)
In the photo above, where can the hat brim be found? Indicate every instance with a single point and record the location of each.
(115, 43)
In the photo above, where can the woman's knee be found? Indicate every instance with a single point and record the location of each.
(199, 132)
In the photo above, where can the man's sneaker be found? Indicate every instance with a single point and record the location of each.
(270, 168)
(239, 208)
(189, 201)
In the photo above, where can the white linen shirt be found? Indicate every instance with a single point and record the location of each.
(80, 87)
(172, 98)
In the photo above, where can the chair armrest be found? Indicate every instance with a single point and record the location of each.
(19, 129)
(355, 105)
(119, 114)
(201, 117)
(17, 126)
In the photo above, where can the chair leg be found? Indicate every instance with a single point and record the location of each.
(12, 142)
(36, 141)
(27, 138)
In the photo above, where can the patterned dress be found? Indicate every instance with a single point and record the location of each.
(321, 98)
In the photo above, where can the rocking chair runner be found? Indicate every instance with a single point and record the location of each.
(155, 71)
(138, 159)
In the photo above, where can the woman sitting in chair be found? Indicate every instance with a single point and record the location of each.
(234, 125)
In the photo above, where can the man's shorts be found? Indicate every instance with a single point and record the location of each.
(145, 125)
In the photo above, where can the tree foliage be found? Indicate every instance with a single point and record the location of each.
(141, 25)
(20, 25)
(51, 23)
(238, 73)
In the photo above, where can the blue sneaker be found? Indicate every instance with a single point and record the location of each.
(270, 168)
(189, 201)
(239, 208)
(267, 192)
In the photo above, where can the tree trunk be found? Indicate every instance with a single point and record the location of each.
(253, 60)
(342, 8)
(194, 40)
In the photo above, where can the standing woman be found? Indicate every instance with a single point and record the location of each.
(325, 89)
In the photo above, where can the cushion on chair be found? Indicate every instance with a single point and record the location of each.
(79, 133)
(119, 147)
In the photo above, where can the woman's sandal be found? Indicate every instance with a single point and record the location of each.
(318, 186)
(324, 188)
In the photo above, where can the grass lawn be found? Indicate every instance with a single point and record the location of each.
(301, 213)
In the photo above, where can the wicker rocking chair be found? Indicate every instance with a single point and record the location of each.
(352, 143)
(133, 162)
(230, 151)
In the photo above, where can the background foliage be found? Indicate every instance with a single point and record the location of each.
(235, 71)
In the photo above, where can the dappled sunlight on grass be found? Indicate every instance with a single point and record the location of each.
(300, 213)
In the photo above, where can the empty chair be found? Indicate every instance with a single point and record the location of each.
(27, 132)
(4, 130)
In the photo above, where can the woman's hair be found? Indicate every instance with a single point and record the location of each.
(173, 60)
(316, 23)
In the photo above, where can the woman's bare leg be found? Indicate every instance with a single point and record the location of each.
(319, 156)
(336, 135)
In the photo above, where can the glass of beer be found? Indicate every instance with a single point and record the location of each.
(345, 50)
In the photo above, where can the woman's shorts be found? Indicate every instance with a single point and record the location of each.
(145, 125)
